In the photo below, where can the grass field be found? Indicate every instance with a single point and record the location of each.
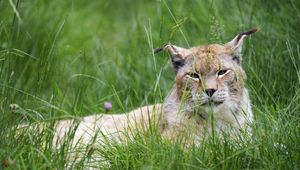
(65, 58)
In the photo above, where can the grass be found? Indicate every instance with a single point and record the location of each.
(65, 58)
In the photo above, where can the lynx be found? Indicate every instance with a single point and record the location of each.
(209, 85)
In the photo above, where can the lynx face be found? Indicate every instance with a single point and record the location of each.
(210, 77)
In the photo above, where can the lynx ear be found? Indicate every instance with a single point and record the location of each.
(177, 55)
(237, 43)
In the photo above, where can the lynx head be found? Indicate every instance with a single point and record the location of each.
(209, 75)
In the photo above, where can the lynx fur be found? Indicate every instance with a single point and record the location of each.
(209, 85)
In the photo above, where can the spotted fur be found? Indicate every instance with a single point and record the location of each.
(209, 86)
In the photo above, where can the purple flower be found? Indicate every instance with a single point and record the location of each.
(107, 106)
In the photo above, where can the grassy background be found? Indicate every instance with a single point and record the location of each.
(65, 58)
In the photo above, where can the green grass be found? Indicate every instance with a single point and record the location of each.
(65, 58)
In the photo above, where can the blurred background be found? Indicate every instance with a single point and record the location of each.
(68, 57)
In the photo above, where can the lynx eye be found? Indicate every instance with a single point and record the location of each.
(194, 75)
(222, 72)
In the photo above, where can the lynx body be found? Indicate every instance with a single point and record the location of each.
(209, 86)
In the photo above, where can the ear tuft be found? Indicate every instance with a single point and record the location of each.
(236, 45)
(242, 35)
(253, 30)
(172, 49)
(159, 49)
(177, 55)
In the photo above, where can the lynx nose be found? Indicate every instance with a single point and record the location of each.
(210, 92)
